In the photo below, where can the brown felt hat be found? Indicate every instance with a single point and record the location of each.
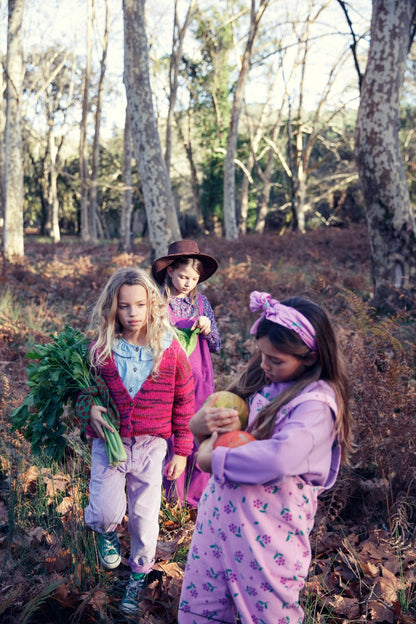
(188, 249)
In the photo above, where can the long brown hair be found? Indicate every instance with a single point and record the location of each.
(329, 366)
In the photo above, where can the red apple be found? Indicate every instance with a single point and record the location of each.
(232, 439)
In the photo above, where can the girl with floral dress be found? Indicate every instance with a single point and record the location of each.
(250, 551)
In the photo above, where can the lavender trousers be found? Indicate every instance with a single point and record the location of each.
(107, 504)
(250, 553)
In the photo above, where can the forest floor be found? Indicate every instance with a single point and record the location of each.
(364, 541)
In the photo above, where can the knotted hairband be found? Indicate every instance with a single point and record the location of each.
(283, 315)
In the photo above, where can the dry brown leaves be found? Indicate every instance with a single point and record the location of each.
(361, 580)
(357, 575)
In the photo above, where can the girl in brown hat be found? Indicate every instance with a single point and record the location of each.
(179, 273)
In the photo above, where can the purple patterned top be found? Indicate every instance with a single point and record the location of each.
(183, 308)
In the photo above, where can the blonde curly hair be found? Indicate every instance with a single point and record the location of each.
(107, 327)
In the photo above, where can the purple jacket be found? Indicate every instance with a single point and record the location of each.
(303, 444)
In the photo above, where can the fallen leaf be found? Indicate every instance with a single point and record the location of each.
(28, 479)
(165, 550)
(99, 600)
(62, 592)
(380, 613)
(36, 535)
(347, 607)
(54, 483)
(370, 569)
(385, 587)
(65, 506)
(59, 563)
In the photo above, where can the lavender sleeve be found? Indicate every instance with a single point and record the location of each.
(213, 339)
(302, 446)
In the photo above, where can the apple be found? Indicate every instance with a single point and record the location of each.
(224, 398)
(232, 439)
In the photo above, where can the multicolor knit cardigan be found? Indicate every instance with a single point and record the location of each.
(163, 406)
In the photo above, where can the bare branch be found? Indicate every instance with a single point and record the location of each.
(353, 46)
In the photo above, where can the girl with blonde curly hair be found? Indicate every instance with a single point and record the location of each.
(150, 390)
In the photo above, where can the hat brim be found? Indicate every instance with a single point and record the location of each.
(159, 267)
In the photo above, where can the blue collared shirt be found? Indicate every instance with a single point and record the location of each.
(134, 363)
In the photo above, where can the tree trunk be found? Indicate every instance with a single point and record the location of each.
(298, 173)
(255, 139)
(13, 230)
(292, 167)
(2, 131)
(86, 230)
(126, 209)
(43, 186)
(187, 144)
(300, 186)
(157, 193)
(389, 212)
(251, 159)
(178, 37)
(97, 128)
(53, 187)
(266, 176)
(230, 219)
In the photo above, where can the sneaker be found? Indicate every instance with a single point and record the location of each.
(134, 587)
(109, 550)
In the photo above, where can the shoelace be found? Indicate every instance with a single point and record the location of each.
(112, 538)
(133, 588)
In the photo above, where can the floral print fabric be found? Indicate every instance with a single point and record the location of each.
(250, 553)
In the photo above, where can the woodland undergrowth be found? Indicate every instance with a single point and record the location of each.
(364, 539)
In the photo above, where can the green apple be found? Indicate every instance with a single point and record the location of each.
(224, 398)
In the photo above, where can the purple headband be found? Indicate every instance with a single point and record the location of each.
(283, 315)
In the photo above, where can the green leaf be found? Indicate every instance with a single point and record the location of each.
(187, 338)
(19, 417)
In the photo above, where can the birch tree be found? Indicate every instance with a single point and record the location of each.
(126, 208)
(230, 219)
(257, 129)
(97, 126)
(178, 37)
(390, 215)
(53, 188)
(59, 89)
(2, 131)
(186, 138)
(203, 124)
(306, 135)
(13, 232)
(293, 147)
(158, 197)
(86, 226)
(52, 91)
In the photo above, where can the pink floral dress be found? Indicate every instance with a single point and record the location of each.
(250, 552)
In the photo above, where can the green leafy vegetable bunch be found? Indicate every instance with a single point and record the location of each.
(59, 371)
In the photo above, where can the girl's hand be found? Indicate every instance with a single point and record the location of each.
(97, 422)
(209, 419)
(175, 467)
(204, 325)
(204, 456)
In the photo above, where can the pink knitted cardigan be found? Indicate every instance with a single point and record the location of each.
(163, 406)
